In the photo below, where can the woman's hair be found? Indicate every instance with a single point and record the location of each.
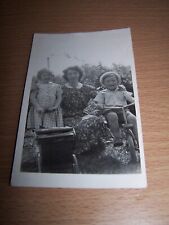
(45, 71)
(75, 68)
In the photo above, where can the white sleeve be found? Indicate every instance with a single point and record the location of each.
(128, 96)
(99, 98)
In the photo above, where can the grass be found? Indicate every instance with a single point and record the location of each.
(89, 163)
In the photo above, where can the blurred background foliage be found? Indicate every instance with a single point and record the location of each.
(92, 75)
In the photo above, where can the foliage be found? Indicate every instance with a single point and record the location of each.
(92, 75)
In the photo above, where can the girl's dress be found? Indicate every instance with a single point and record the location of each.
(46, 97)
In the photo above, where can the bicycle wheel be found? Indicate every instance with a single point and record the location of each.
(131, 147)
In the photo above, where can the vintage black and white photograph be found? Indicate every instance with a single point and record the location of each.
(80, 120)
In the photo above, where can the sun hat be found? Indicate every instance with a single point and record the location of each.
(109, 74)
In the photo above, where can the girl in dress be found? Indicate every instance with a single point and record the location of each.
(45, 99)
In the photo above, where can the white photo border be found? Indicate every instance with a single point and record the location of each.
(29, 179)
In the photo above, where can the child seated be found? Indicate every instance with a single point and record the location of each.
(45, 98)
(115, 95)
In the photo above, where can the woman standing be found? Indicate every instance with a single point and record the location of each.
(75, 96)
(90, 131)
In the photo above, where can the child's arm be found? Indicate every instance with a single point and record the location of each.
(34, 102)
(99, 100)
(128, 96)
(58, 98)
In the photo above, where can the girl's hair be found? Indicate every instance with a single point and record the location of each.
(75, 68)
(45, 71)
(109, 74)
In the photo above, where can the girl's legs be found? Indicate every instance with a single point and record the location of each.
(112, 119)
(132, 119)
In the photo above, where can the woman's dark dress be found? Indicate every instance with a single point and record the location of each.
(89, 132)
(74, 101)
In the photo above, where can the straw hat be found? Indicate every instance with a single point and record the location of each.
(109, 74)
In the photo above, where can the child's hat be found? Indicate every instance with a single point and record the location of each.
(109, 74)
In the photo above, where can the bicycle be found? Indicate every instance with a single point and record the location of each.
(129, 140)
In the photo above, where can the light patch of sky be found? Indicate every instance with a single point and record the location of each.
(63, 50)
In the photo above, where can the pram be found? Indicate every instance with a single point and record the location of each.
(54, 148)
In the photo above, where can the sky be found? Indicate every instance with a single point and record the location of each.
(64, 50)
